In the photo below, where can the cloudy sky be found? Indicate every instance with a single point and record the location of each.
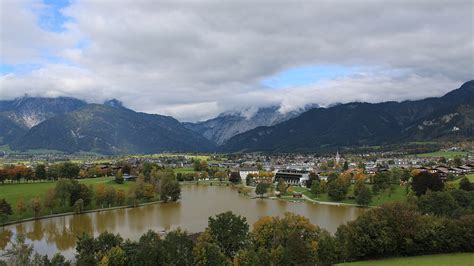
(195, 59)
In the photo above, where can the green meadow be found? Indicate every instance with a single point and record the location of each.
(458, 259)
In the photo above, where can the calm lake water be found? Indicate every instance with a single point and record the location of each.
(191, 213)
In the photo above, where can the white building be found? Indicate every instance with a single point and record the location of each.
(244, 172)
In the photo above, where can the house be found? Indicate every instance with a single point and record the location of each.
(466, 169)
(128, 177)
(245, 171)
(297, 195)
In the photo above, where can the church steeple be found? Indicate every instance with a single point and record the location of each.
(338, 157)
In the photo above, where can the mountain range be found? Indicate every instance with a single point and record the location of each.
(450, 117)
(72, 125)
(107, 128)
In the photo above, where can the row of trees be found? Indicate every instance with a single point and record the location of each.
(18, 173)
(221, 175)
(71, 195)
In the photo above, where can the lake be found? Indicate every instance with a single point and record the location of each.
(191, 213)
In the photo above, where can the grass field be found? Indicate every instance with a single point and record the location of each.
(445, 154)
(470, 177)
(458, 259)
(13, 192)
(184, 170)
(398, 195)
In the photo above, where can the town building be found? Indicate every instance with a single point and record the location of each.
(245, 171)
(293, 177)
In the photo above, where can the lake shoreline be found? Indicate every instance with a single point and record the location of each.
(73, 213)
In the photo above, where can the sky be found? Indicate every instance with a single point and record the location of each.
(195, 59)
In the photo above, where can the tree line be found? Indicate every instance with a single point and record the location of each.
(71, 195)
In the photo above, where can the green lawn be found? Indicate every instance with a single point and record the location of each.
(446, 154)
(458, 259)
(185, 170)
(470, 177)
(13, 192)
(398, 195)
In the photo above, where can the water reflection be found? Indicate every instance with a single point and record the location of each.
(5, 238)
(198, 203)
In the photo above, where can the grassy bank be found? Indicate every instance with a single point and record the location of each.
(470, 177)
(399, 194)
(459, 259)
(13, 192)
(26, 191)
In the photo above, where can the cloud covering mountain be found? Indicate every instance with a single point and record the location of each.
(193, 60)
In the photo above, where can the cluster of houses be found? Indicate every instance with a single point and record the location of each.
(445, 171)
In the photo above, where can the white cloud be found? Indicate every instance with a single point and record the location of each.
(193, 60)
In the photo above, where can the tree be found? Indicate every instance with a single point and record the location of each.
(381, 181)
(79, 206)
(206, 254)
(345, 166)
(100, 194)
(363, 195)
(58, 260)
(149, 250)
(170, 189)
(109, 198)
(20, 206)
(178, 248)
(148, 191)
(424, 181)
(119, 177)
(465, 184)
(5, 210)
(146, 169)
(68, 170)
(316, 188)
(457, 161)
(282, 186)
(261, 189)
(199, 165)
(35, 205)
(106, 241)
(235, 177)
(327, 249)
(40, 172)
(438, 203)
(49, 200)
(221, 175)
(116, 257)
(86, 250)
(120, 197)
(337, 190)
(291, 240)
(229, 232)
(63, 190)
(126, 168)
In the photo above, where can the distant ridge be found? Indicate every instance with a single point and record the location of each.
(450, 117)
(108, 129)
(229, 124)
